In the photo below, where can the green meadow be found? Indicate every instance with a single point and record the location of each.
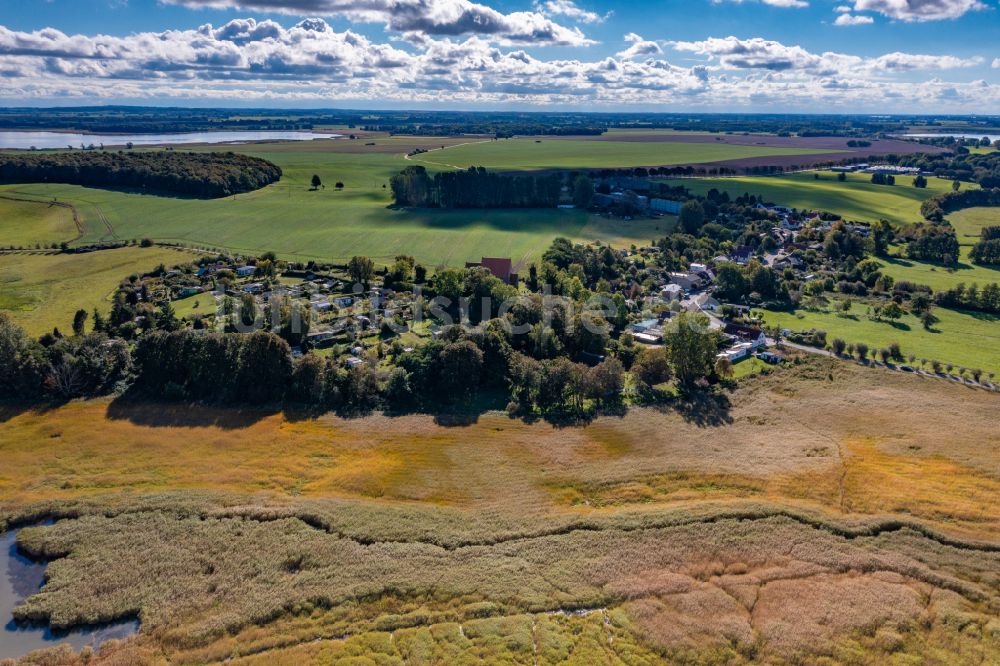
(42, 291)
(966, 339)
(854, 199)
(532, 154)
(968, 224)
(329, 224)
(30, 223)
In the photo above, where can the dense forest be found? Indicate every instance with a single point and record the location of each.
(474, 188)
(197, 174)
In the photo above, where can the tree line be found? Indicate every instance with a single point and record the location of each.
(196, 174)
(987, 250)
(936, 208)
(972, 297)
(474, 188)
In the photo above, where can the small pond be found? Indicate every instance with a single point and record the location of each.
(20, 577)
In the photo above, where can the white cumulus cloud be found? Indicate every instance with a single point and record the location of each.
(570, 10)
(853, 19)
(639, 47)
(429, 17)
(797, 4)
(919, 10)
(249, 61)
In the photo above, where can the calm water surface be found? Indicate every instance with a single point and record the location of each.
(991, 137)
(40, 140)
(21, 577)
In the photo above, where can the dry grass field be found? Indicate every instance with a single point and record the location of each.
(827, 513)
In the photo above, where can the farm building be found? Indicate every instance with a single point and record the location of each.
(665, 206)
(500, 268)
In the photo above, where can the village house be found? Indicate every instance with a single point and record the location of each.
(741, 334)
(319, 337)
(741, 255)
(649, 331)
(246, 271)
(671, 292)
(501, 268)
(702, 302)
(686, 281)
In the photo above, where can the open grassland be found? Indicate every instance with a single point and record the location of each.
(30, 223)
(42, 291)
(968, 224)
(854, 199)
(823, 511)
(964, 339)
(539, 154)
(329, 225)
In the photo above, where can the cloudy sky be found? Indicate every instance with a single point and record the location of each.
(819, 56)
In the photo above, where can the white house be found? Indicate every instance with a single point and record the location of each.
(671, 292)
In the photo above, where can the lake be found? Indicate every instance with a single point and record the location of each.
(20, 577)
(991, 137)
(41, 140)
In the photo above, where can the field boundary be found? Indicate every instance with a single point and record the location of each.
(62, 204)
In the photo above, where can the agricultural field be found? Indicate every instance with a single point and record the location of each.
(42, 291)
(968, 224)
(26, 223)
(855, 199)
(539, 154)
(964, 339)
(703, 536)
(330, 225)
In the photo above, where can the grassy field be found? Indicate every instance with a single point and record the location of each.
(44, 291)
(333, 225)
(28, 223)
(540, 154)
(854, 199)
(283, 538)
(968, 224)
(970, 340)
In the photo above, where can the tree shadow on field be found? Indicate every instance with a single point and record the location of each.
(702, 408)
(185, 415)
(10, 410)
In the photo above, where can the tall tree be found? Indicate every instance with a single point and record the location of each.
(583, 192)
(79, 322)
(691, 347)
(361, 269)
(692, 217)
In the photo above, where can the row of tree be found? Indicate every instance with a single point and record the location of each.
(474, 188)
(936, 208)
(195, 174)
(972, 297)
(987, 250)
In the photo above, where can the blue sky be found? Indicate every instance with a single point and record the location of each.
(672, 55)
